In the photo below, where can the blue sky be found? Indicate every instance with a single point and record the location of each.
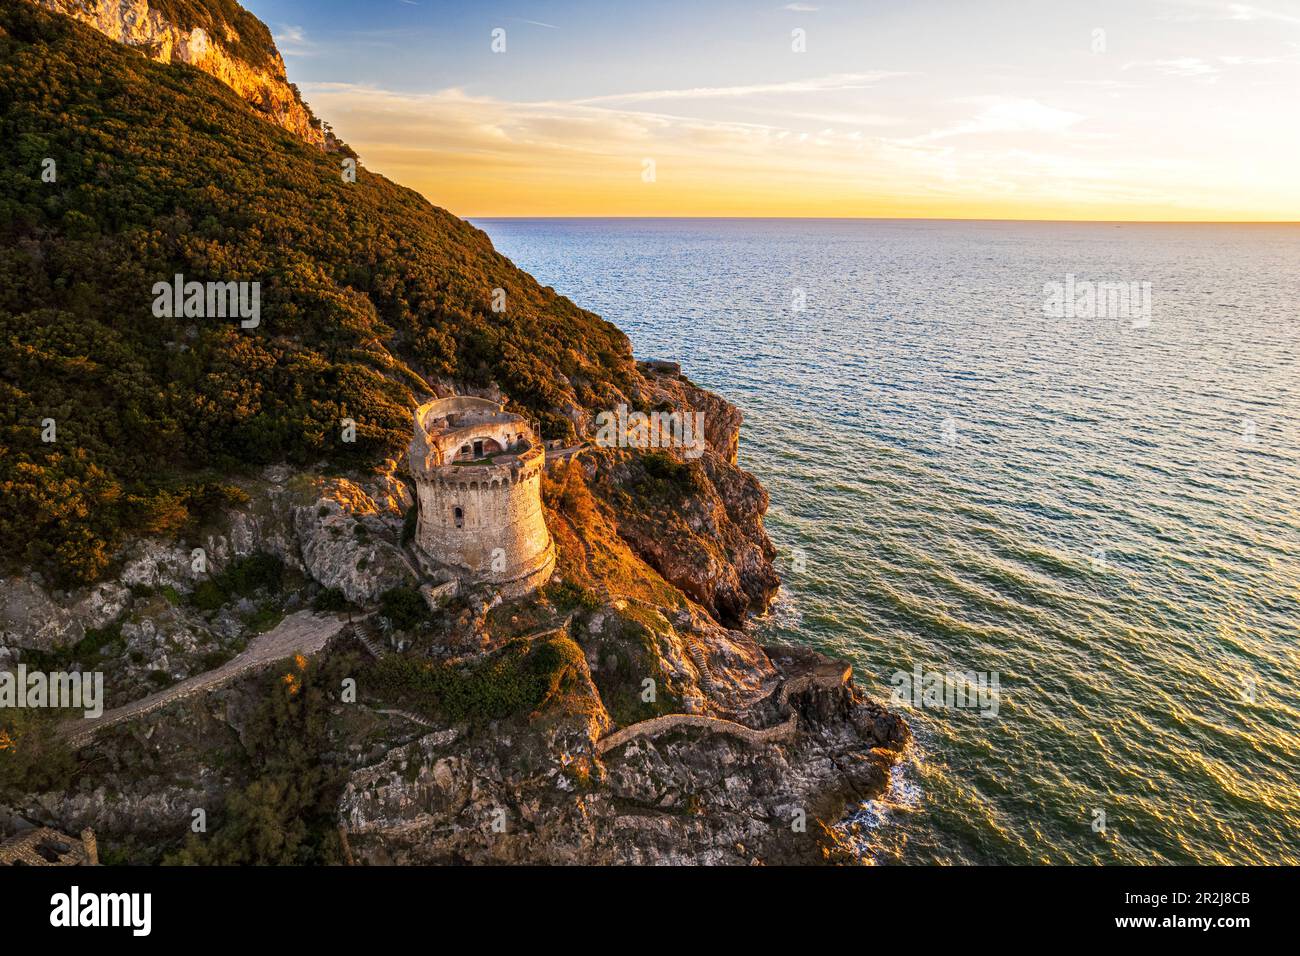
(1053, 109)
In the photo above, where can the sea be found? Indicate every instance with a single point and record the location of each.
(1037, 481)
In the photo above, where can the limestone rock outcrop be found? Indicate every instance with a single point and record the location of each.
(686, 798)
(340, 533)
(264, 85)
(30, 617)
(710, 541)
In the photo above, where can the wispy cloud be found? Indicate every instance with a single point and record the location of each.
(1193, 10)
(838, 118)
(1006, 114)
(1178, 66)
(822, 84)
(923, 132)
(292, 41)
(481, 155)
(535, 23)
(1208, 69)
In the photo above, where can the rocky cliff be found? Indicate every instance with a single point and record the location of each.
(205, 39)
(708, 540)
(199, 490)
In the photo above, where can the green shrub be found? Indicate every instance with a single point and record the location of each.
(208, 595)
(243, 577)
(95, 646)
(666, 478)
(518, 679)
(331, 601)
(404, 607)
(97, 643)
(264, 618)
(33, 757)
(211, 660)
(662, 466)
(205, 501)
(284, 814)
(567, 596)
(246, 575)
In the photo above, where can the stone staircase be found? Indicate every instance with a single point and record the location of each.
(414, 718)
(367, 635)
(696, 654)
(829, 675)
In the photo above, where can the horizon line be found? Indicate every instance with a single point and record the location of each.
(1116, 222)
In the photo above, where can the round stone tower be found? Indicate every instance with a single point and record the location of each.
(478, 478)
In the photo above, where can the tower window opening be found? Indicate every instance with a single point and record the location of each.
(459, 517)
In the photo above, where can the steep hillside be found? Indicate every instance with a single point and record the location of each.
(125, 172)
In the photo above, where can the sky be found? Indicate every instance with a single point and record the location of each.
(1042, 109)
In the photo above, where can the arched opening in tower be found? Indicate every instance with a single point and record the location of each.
(479, 448)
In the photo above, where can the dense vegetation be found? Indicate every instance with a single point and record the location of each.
(284, 813)
(665, 478)
(368, 293)
(405, 608)
(242, 578)
(521, 678)
(33, 757)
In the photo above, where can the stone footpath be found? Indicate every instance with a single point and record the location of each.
(714, 725)
(827, 675)
(302, 633)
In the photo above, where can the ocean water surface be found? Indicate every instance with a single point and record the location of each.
(1101, 509)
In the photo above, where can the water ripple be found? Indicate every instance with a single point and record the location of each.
(1110, 519)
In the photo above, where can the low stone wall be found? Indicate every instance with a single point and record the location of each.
(715, 725)
(822, 677)
(412, 717)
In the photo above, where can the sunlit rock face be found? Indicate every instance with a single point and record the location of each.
(136, 24)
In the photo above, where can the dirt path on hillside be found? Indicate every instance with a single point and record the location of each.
(302, 633)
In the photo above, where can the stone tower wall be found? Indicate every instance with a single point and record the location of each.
(502, 538)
